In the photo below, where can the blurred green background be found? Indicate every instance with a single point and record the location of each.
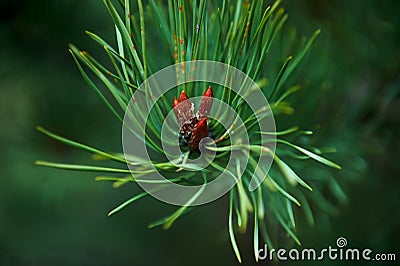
(52, 217)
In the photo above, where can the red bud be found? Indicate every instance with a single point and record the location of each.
(200, 131)
(183, 109)
(192, 126)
